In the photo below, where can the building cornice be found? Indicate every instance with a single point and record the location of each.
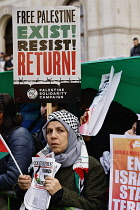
(111, 30)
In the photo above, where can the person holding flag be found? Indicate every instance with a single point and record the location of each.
(80, 183)
(16, 145)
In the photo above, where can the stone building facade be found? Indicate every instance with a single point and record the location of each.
(107, 26)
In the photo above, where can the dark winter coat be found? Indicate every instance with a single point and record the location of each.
(95, 188)
(21, 145)
(135, 51)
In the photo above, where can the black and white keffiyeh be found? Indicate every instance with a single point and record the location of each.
(68, 118)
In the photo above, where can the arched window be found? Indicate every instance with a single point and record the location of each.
(9, 38)
(78, 3)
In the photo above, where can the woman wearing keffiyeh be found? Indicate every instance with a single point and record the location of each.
(80, 182)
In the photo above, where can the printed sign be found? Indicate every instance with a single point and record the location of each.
(46, 54)
(125, 173)
(100, 105)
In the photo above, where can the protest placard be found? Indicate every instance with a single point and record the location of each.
(125, 172)
(100, 105)
(46, 43)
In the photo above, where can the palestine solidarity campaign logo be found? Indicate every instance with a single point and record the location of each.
(32, 93)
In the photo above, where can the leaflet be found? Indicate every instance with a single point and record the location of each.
(37, 197)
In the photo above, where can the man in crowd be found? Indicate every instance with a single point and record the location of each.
(135, 51)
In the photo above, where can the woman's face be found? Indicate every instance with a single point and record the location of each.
(57, 137)
(132, 131)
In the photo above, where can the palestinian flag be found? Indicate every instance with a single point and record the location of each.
(3, 148)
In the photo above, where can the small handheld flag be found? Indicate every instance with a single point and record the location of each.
(4, 150)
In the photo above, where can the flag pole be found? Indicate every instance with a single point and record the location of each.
(49, 109)
(11, 154)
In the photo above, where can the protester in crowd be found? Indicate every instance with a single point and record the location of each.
(32, 119)
(63, 138)
(55, 107)
(8, 63)
(135, 51)
(87, 96)
(117, 121)
(105, 158)
(135, 130)
(1, 56)
(19, 142)
(35, 116)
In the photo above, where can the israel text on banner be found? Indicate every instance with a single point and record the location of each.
(125, 172)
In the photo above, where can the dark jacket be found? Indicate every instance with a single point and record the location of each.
(32, 119)
(21, 145)
(95, 188)
(135, 51)
(8, 64)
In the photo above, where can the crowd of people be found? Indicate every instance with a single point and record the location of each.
(85, 188)
(60, 133)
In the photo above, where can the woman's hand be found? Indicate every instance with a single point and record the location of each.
(24, 182)
(52, 185)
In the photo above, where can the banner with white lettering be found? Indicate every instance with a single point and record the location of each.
(125, 172)
(46, 43)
